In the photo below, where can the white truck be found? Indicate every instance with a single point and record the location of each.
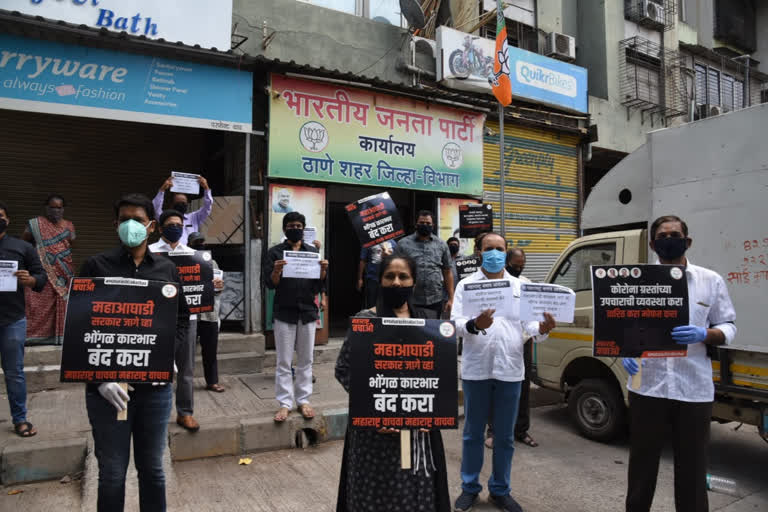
(713, 174)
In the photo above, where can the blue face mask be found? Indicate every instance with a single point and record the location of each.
(132, 233)
(493, 261)
(173, 233)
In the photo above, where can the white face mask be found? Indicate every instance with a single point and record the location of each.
(132, 233)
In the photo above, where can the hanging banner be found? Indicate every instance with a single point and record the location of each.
(42, 76)
(635, 309)
(375, 219)
(475, 219)
(403, 373)
(119, 330)
(204, 22)
(340, 134)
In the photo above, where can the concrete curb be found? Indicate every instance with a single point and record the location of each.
(44, 460)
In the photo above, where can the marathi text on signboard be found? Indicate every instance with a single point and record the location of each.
(475, 219)
(635, 309)
(375, 219)
(465, 267)
(403, 373)
(196, 274)
(119, 330)
(346, 135)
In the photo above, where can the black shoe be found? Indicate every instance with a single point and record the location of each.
(506, 503)
(465, 502)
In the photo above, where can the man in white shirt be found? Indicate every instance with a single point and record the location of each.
(171, 230)
(674, 399)
(492, 372)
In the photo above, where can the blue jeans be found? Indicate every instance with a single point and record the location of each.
(480, 397)
(12, 338)
(148, 412)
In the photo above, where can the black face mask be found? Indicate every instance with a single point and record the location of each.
(394, 297)
(454, 249)
(424, 229)
(514, 271)
(181, 207)
(3, 226)
(670, 249)
(294, 234)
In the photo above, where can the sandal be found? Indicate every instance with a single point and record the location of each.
(527, 439)
(307, 411)
(24, 429)
(281, 415)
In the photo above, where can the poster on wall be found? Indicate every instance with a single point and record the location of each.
(340, 134)
(448, 222)
(310, 202)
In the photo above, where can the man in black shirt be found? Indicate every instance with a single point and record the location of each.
(295, 315)
(29, 273)
(148, 405)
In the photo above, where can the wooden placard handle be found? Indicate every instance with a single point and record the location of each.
(405, 449)
(123, 415)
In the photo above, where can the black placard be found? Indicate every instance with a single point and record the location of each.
(465, 267)
(196, 275)
(403, 374)
(119, 330)
(475, 219)
(375, 219)
(635, 309)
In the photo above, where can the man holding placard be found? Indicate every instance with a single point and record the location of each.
(191, 221)
(146, 406)
(295, 271)
(675, 395)
(486, 312)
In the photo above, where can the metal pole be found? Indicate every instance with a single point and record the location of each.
(247, 239)
(501, 170)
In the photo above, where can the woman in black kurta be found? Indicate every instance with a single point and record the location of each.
(371, 477)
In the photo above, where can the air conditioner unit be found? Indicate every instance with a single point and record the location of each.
(651, 13)
(561, 46)
(715, 111)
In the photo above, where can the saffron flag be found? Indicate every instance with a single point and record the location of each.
(500, 83)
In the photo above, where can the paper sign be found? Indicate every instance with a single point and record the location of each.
(301, 265)
(310, 235)
(8, 281)
(375, 219)
(475, 219)
(635, 309)
(556, 300)
(185, 183)
(489, 294)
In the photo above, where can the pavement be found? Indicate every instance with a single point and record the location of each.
(566, 473)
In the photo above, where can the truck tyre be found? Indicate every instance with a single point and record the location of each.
(598, 409)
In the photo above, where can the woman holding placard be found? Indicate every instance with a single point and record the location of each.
(371, 474)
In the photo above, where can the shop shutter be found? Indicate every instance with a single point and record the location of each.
(91, 162)
(541, 189)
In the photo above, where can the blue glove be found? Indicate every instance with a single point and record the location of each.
(630, 365)
(687, 334)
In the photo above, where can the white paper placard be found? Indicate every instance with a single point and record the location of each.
(218, 274)
(301, 265)
(310, 235)
(8, 281)
(489, 294)
(556, 300)
(185, 183)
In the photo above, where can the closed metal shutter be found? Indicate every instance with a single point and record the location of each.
(541, 189)
(91, 162)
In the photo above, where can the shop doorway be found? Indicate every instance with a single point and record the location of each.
(343, 250)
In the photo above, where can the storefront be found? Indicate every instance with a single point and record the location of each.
(331, 144)
(92, 124)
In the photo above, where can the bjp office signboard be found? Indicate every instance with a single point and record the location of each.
(333, 133)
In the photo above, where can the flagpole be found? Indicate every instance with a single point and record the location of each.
(501, 171)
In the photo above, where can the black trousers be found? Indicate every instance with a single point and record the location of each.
(209, 342)
(370, 293)
(654, 421)
(524, 409)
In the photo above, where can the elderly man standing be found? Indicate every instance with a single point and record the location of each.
(492, 372)
(434, 274)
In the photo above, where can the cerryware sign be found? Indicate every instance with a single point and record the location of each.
(333, 133)
(465, 61)
(204, 22)
(41, 76)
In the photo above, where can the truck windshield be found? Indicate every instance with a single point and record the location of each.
(574, 271)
